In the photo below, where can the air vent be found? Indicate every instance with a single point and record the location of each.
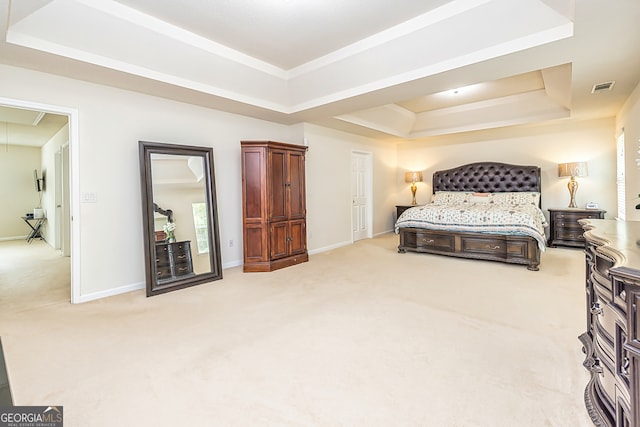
(602, 87)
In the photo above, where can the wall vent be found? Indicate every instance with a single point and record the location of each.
(602, 87)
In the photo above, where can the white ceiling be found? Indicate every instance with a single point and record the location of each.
(27, 127)
(374, 67)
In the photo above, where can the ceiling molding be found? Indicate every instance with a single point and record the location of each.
(83, 30)
(383, 84)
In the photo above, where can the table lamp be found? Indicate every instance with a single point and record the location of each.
(413, 177)
(573, 170)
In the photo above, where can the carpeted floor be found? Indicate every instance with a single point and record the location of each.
(358, 336)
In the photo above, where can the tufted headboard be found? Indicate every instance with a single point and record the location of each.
(488, 177)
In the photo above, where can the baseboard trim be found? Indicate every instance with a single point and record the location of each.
(231, 264)
(111, 292)
(6, 239)
(328, 248)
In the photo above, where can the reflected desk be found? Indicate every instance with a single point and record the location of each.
(35, 227)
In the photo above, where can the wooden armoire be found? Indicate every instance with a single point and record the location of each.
(273, 205)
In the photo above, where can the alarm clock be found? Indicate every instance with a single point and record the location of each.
(591, 205)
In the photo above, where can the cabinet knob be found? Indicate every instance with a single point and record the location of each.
(428, 241)
(493, 248)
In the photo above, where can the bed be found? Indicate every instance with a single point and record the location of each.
(486, 210)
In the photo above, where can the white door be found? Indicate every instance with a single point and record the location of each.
(361, 195)
(57, 244)
(65, 229)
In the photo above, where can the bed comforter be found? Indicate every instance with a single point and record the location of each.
(524, 219)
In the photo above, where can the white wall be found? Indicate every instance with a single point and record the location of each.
(17, 189)
(329, 185)
(111, 122)
(629, 119)
(591, 141)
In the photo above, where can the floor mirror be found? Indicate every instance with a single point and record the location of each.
(180, 217)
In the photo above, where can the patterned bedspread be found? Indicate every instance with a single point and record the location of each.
(524, 219)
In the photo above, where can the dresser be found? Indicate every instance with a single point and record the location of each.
(564, 229)
(273, 205)
(611, 342)
(173, 261)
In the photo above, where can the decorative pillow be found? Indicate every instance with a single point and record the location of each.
(480, 198)
(451, 197)
(516, 198)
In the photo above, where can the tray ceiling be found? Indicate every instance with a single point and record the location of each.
(384, 69)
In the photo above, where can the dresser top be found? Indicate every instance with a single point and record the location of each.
(618, 238)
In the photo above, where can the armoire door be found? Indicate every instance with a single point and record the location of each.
(296, 186)
(278, 189)
(297, 237)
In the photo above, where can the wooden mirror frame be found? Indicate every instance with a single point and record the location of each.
(146, 149)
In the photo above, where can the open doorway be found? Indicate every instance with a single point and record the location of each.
(56, 171)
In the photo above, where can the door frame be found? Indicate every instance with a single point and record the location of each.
(72, 114)
(368, 189)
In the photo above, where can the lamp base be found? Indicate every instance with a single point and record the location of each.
(413, 192)
(573, 187)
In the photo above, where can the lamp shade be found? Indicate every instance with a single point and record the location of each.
(572, 169)
(413, 177)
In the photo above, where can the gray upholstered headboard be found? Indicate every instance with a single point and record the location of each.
(488, 177)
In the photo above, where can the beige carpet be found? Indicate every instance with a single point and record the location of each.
(358, 336)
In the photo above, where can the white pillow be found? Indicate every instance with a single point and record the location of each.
(515, 198)
(451, 197)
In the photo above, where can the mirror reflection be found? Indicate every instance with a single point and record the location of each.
(179, 204)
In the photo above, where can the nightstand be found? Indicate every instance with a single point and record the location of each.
(402, 208)
(564, 229)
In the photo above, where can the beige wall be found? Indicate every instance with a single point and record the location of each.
(329, 185)
(17, 189)
(112, 121)
(629, 120)
(591, 141)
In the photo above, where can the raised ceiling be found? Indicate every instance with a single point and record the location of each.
(378, 68)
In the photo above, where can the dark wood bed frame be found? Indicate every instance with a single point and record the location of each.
(482, 177)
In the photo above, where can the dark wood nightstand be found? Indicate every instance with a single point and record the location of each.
(564, 229)
(402, 208)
